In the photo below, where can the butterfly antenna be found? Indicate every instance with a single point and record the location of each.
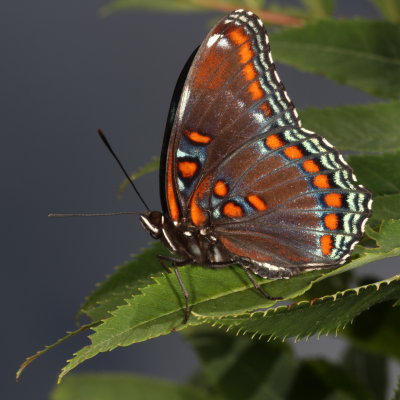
(53, 215)
(107, 144)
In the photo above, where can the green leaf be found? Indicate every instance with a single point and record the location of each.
(118, 386)
(387, 238)
(377, 330)
(380, 174)
(369, 369)
(151, 166)
(324, 315)
(161, 5)
(384, 208)
(39, 353)
(236, 367)
(390, 9)
(327, 286)
(124, 283)
(359, 53)
(159, 309)
(320, 8)
(372, 127)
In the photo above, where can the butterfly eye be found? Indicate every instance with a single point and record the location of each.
(156, 218)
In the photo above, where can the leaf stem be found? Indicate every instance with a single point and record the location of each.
(51, 346)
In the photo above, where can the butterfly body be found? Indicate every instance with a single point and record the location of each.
(241, 180)
(200, 246)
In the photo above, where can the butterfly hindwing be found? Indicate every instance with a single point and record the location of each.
(297, 199)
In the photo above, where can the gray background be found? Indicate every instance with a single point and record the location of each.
(65, 72)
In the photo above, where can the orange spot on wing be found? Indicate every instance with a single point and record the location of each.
(331, 221)
(221, 189)
(238, 36)
(172, 203)
(187, 168)
(333, 200)
(266, 108)
(245, 53)
(232, 210)
(274, 142)
(310, 166)
(198, 137)
(249, 72)
(255, 90)
(326, 244)
(321, 181)
(258, 203)
(293, 152)
(197, 214)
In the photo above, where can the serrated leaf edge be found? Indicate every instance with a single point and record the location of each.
(213, 321)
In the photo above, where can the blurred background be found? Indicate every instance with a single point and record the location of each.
(65, 72)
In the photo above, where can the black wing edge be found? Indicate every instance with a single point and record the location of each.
(168, 127)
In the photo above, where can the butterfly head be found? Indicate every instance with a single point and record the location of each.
(153, 222)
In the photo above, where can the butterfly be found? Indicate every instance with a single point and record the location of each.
(241, 182)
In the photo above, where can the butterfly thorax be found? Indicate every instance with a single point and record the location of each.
(199, 245)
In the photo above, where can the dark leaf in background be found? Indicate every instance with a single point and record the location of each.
(377, 330)
(384, 208)
(239, 368)
(321, 380)
(366, 128)
(359, 53)
(369, 369)
(380, 174)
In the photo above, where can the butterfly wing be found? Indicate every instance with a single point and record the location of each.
(212, 117)
(238, 160)
(305, 207)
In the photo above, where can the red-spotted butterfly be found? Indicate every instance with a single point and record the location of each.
(241, 181)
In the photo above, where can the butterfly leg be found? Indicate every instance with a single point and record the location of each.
(257, 286)
(175, 264)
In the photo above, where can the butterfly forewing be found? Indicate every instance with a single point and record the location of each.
(238, 160)
(231, 73)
